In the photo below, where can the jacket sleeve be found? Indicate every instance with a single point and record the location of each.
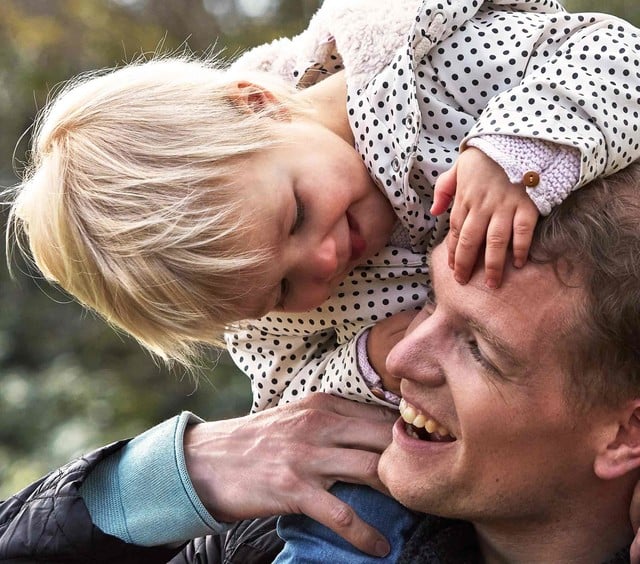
(48, 521)
(579, 90)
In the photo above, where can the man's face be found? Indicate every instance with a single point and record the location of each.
(482, 370)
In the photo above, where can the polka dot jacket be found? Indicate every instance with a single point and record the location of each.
(465, 70)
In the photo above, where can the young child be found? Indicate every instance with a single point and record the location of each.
(177, 199)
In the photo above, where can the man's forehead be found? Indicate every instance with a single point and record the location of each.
(531, 304)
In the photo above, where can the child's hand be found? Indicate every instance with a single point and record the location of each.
(487, 207)
(383, 336)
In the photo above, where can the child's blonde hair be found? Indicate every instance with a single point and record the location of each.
(129, 202)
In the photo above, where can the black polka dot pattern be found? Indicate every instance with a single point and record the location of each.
(289, 355)
(570, 79)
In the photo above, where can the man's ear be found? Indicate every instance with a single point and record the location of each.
(620, 452)
(255, 98)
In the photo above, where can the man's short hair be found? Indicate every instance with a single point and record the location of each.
(595, 233)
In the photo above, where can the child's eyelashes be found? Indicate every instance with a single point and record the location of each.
(284, 290)
(299, 216)
(297, 224)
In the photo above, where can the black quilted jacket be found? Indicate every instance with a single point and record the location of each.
(47, 522)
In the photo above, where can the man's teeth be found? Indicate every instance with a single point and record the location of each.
(414, 417)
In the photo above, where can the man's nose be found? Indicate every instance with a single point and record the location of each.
(415, 356)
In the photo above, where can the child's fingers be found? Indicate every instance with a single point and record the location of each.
(498, 237)
(441, 201)
(456, 222)
(444, 190)
(524, 223)
(472, 236)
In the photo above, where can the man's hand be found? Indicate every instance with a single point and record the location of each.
(383, 336)
(487, 208)
(284, 459)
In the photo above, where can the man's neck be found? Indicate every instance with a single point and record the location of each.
(592, 533)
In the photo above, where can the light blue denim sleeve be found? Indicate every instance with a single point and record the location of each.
(307, 541)
(143, 495)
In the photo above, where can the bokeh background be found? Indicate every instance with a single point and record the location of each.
(69, 383)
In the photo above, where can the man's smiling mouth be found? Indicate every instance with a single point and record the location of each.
(423, 427)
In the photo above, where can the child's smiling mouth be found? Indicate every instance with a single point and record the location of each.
(358, 244)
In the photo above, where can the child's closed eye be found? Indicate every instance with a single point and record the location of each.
(299, 219)
(284, 290)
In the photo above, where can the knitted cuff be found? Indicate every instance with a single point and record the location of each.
(143, 494)
(549, 171)
(368, 373)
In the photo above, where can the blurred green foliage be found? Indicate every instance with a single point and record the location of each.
(67, 382)
(627, 9)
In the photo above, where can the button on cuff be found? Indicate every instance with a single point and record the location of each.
(531, 179)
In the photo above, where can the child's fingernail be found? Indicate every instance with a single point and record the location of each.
(459, 279)
(518, 263)
(491, 283)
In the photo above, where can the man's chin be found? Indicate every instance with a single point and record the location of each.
(410, 482)
(396, 476)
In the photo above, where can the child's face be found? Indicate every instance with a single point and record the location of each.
(321, 213)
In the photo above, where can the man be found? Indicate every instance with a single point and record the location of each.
(521, 405)
(534, 390)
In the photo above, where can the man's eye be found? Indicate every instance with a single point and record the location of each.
(299, 216)
(476, 353)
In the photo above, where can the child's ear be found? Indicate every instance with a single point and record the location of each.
(255, 98)
(620, 452)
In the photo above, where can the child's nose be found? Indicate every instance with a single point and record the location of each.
(323, 262)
